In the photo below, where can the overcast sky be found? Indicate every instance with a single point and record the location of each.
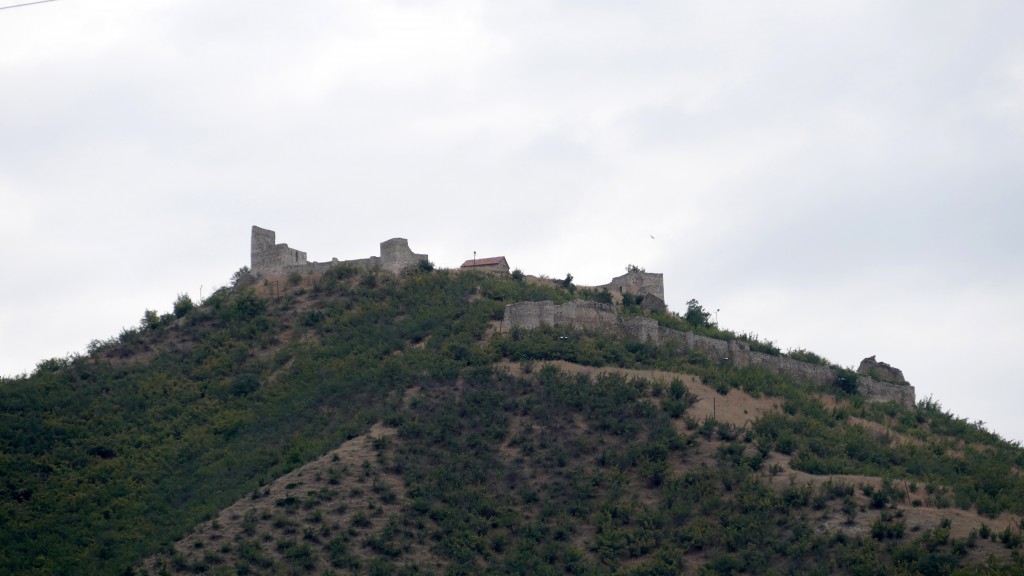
(844, 177)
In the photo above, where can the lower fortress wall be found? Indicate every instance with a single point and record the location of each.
(885, 392)
(595, 316)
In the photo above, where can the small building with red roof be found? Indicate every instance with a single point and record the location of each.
(494, 264)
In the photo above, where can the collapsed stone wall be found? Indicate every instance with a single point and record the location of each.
(267, 257)
(586, 315)
(643, 283)
(880, 371)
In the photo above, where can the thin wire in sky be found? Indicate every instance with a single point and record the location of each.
(26, 4)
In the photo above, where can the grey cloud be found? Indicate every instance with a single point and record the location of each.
(823, 173)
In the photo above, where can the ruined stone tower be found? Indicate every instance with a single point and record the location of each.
(268, 257)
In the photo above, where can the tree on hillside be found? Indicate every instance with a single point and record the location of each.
(183, 305)
(696, 314)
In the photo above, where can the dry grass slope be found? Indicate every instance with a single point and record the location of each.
(323, 516)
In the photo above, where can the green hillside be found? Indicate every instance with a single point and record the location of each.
(498, 457)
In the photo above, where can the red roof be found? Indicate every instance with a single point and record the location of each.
(485, 262)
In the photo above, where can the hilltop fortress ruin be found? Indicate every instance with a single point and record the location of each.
(267, 257)
(878, 381)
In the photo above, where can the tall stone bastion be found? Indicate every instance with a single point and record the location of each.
(600, 317)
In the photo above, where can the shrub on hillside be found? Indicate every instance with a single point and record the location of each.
(150, 320)
(182, 305)
(807, 356)
(846, 380)
(244, 384)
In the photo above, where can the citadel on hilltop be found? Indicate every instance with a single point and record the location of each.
(267, 257)
(878, 381)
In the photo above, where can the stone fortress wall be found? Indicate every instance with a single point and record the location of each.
(877, 380)
(646, 284)
(396, 256)
(596, 316)
(267, 257)
(270, 258)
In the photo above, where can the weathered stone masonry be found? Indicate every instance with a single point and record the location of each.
(270, 258)
(267, 257)
(880, 371)
(642, 283)
(878, 381)
(586, 315)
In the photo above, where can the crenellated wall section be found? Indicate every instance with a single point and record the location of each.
(587, 315)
